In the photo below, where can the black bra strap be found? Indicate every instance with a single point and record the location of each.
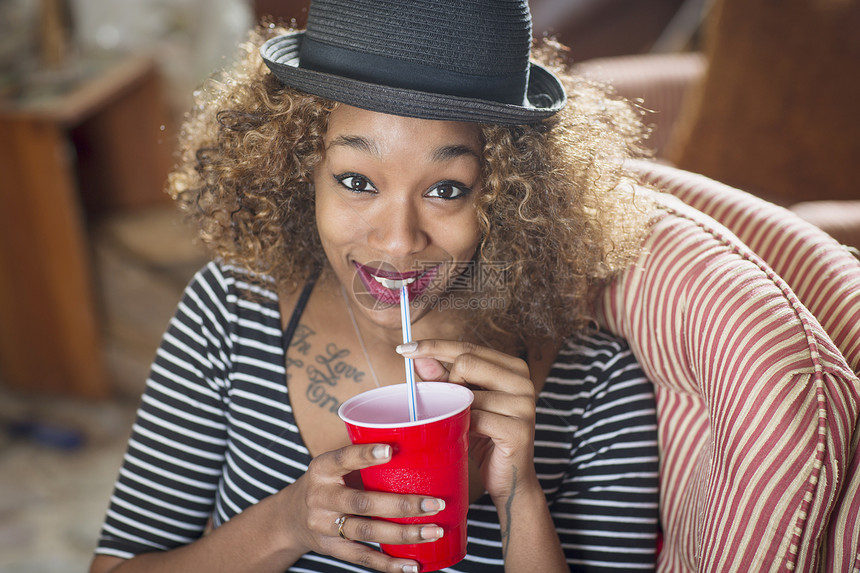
(290, 330)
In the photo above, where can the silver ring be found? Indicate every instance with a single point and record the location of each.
(340, 521)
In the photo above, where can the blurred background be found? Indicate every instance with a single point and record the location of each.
(93, 255)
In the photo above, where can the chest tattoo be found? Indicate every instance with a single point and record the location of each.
(300, 345)
(324, 367)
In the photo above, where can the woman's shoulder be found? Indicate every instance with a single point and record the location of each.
(604, 372)
(223, 292)
(596, 356)
(596, 344)
(221, 281)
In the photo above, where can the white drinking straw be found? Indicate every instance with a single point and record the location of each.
(406, 324)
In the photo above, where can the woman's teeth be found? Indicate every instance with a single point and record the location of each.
(393, 284)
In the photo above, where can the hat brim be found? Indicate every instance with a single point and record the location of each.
(545, 94)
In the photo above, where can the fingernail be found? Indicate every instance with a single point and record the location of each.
(431, 532)
(409, 569)
(406, 347)
(430, 505)
(382, 452)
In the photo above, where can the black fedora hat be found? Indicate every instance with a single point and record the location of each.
(462, 60)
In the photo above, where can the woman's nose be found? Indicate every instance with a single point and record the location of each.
(397, 230)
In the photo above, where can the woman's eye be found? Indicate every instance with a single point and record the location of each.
(355, 183)
(448, 190)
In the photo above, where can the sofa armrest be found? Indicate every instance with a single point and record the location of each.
(757, 408)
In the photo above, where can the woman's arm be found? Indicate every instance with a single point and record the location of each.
(246, 543)
(273, 534)
(606, 505)
(503, 426)
(528, 533)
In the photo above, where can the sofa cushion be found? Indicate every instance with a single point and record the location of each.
(757, 409)
(824, 275)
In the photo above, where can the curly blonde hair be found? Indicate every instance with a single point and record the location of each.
(557, 211)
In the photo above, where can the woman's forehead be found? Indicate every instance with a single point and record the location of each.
(379, 133)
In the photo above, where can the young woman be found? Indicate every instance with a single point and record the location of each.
(394, 143)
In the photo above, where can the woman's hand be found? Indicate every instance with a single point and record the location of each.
(312, 505)
(503, 413)
(503, 430)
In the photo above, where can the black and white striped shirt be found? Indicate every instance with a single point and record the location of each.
(215, 434)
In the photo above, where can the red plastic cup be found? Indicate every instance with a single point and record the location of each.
(429, 457)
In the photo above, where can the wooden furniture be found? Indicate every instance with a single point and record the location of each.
(283, 11)
(66, 155)
(665, 84)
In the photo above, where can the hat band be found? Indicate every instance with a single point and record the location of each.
(391, 72)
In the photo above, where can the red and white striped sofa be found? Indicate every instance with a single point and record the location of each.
(748, 323)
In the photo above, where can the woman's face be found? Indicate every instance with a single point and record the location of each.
(395, 204)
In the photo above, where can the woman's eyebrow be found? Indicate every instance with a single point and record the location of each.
(449, 152)
(356, 142)
(440, 154)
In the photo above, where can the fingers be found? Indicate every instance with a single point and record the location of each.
(450, 350)
(350, 529)
(470, 363)
(378, 504)
(516, 404)
(356, 528)
(332, 467)
(487, 424)
(339, 516)
(430, 369)
(351, 458)
(326, 515)
(370, 558)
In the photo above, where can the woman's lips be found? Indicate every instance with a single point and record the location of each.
(392, 275)
(384, 285)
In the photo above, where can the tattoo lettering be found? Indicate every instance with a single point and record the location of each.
(318, 395)
(301, 345)
(332, 369)
(300, 339)
(506, 532)
(293, 363)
